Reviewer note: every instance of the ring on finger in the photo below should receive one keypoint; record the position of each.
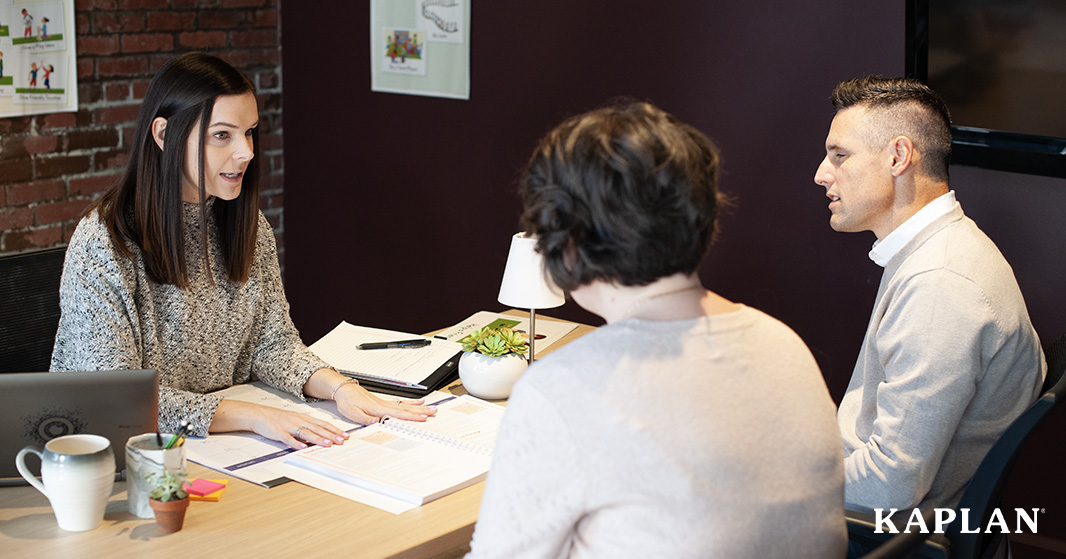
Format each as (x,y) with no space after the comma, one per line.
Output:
(297,434)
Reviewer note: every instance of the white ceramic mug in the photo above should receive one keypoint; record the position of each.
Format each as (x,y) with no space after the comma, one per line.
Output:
(78,473)
(144,457)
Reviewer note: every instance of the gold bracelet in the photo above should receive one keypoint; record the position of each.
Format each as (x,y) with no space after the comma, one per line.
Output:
(334,393)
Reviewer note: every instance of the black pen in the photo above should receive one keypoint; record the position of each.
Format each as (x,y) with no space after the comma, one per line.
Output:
(421,342)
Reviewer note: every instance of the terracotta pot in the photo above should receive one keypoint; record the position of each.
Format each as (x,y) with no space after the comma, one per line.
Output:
(169,515)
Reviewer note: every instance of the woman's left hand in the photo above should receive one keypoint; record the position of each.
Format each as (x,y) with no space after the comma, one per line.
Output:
(360,406)
(355,403)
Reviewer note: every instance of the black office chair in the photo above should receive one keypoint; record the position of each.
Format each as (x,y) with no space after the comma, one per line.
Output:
(904,544)
(29,309)
(984,493)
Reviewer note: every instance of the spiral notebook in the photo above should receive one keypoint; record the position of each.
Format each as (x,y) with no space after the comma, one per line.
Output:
(415,462)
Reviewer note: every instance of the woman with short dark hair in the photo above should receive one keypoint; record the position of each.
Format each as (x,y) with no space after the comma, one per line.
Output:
(689,425)
(176,269)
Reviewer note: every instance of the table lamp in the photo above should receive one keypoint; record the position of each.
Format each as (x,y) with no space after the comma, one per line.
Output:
(526,284)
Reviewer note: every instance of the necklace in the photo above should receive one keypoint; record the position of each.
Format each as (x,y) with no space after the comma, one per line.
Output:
(641,302)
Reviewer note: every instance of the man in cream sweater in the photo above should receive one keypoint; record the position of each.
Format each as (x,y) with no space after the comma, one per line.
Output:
(950,357)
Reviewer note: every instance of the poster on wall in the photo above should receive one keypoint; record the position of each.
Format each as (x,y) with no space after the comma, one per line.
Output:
(38,61)
(420,47)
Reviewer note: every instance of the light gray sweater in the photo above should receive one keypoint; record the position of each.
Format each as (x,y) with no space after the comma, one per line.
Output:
(950,358)
(201,339)
(712,437)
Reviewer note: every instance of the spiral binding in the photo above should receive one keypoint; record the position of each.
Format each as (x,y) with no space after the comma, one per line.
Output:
(431,436)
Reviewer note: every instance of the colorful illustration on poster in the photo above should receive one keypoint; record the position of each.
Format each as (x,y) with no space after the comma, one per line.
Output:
(38,57)
(420,47)
(405,52)
(43,80)
(39,26)
(441,20)
(6,79)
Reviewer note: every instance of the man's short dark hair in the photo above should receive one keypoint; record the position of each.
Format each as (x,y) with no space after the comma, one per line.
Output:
(625,194)
(912,109)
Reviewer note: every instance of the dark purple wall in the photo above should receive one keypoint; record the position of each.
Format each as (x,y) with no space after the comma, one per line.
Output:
(399,209)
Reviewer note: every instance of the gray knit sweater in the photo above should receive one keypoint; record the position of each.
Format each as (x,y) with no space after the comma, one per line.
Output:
(949,360)
(200,339)
(711,437)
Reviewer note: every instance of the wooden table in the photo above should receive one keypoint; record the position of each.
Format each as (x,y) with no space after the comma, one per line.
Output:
(250,521)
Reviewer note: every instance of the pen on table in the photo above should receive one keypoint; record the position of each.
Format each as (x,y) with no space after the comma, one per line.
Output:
(421,342)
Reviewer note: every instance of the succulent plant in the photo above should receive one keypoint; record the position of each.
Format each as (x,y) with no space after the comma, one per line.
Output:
(496,342)
(168,485)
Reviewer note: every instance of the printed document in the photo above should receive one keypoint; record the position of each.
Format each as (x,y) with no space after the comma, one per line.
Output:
(465,425)
(414,462)
(404,366)
(548,331)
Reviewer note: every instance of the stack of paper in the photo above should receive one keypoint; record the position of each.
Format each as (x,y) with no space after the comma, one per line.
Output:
(411,371)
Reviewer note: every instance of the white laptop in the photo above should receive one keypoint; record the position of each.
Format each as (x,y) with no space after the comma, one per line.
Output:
(38,407)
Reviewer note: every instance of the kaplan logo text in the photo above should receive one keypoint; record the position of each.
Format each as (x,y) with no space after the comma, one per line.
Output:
(943,517)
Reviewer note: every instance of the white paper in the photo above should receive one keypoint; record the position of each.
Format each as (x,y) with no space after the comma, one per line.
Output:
(464,419)
(552,330)
(341,489)
(259,460)
(253,457)
(409,366)
(250,456)
(408,462)
(396,463)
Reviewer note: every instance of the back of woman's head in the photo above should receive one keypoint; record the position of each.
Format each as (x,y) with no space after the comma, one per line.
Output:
(146,206)
(624,194)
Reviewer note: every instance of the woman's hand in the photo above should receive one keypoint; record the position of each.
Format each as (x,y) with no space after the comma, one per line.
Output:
(355,403)
(360,406)
(294,429)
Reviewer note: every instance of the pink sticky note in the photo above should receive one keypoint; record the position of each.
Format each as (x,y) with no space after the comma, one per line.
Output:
(200,486)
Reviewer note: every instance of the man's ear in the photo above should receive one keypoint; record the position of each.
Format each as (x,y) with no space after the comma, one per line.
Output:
(902,152)
(159,126)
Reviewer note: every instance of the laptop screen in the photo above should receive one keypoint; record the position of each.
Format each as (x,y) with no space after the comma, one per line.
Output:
(38,407)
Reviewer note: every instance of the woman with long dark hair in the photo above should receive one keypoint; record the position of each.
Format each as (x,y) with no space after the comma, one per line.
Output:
(176,269)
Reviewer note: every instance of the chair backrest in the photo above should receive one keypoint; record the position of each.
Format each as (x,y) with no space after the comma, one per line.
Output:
(985,491)
(904,544)
(1056,364)
(29,309)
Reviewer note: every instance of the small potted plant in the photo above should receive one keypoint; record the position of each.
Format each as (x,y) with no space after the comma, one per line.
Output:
(493,359)
(168,499)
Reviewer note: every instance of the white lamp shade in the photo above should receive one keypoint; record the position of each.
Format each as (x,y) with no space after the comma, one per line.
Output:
(526,284)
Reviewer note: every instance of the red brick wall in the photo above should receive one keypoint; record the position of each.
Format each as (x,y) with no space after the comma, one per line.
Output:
(52,166)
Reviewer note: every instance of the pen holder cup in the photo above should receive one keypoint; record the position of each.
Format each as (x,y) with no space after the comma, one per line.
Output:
(144,457)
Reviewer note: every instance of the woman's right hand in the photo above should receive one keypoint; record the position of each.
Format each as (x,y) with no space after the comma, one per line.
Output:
(294,429)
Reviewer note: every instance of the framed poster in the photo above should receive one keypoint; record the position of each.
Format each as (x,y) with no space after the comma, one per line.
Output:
(420,47)
(38,59)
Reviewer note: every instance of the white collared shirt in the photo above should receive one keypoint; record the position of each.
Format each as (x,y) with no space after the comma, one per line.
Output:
(884,250)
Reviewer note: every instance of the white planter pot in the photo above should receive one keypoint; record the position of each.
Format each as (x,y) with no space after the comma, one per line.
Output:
(490,378)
